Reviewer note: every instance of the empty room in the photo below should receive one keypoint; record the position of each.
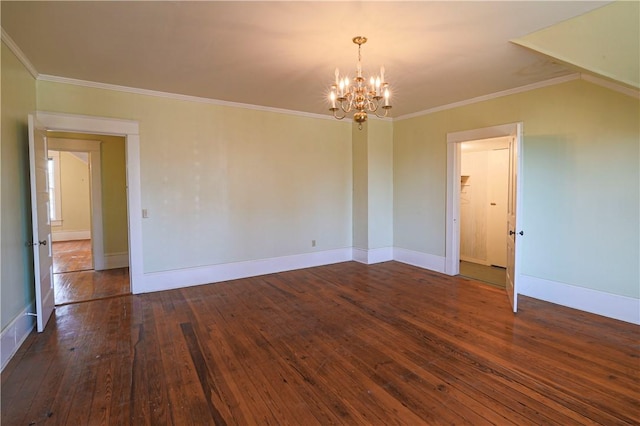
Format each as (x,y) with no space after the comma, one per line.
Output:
(273,212)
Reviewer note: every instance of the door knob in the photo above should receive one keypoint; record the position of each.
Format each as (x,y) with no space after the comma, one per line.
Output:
(511,232)
(43,242)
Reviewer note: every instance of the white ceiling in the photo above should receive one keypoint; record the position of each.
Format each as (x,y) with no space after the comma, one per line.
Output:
(283,54)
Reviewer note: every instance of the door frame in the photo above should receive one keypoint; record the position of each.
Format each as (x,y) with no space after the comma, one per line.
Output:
(130,131)
(452,230)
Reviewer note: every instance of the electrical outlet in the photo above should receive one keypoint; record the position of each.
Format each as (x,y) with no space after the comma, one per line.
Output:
(313,243)
(145,213)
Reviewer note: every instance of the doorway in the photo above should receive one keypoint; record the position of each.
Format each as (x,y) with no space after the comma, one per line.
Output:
(484,179)
(38,124)
(88,217)
(454,180)
(70,210)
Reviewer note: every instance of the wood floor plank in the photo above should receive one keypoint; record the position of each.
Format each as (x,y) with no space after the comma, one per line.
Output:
(340,344)
(72,256)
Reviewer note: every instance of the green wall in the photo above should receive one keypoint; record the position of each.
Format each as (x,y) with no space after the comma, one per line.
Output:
(114,194)
(226,184)
(74,194)
(360,152)
(16,260)
(380,184)
(581,190)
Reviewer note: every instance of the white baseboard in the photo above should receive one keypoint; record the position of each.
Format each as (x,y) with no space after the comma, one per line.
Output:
(70,235)
(15,334)
(419,259)
(371,256)
(112,261)
(158,281)
(596,302)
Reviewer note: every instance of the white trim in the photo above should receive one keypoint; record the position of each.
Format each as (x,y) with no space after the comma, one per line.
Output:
(129,129)
(452,227)
(70,235)
(179,278)
(371,256)
(452,209)
(13,47)
(359,255)
(14,335)
(521,89)
(88,124)
(491,132)
(634,93)
(419,259)
(614,306)
(179,97)
(115,260)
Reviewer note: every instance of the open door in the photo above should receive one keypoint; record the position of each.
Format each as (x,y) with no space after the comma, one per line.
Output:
(512,233)
(452,230)
(42,255)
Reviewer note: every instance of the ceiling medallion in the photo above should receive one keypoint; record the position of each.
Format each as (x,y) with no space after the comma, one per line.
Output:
(357,95)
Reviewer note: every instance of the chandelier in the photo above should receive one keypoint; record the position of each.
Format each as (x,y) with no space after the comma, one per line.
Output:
(359,96)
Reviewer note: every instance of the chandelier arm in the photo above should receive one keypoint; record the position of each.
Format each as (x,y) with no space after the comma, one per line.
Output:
(335,115)
(348,108)
(372,105)
(386,109)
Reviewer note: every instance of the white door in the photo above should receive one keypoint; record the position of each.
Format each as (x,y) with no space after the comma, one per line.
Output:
(42,258)
(511,231)
(497,188)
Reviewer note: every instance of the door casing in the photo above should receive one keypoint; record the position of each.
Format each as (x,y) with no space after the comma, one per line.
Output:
(117,127)
(452,231)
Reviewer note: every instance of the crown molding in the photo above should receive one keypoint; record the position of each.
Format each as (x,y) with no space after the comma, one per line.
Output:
(175,96)
(634,93)
(521,89)
(19,54)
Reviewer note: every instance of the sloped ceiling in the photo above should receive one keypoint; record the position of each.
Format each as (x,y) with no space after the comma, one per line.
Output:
(283,54)
(605,42)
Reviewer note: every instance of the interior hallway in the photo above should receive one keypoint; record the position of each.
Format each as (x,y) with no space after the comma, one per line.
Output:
(75,280)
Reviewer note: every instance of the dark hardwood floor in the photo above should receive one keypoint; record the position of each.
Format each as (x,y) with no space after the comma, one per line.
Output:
(75,280)
(339,344)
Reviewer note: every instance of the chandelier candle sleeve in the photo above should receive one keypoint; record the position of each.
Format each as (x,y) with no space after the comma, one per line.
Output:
(359,97)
